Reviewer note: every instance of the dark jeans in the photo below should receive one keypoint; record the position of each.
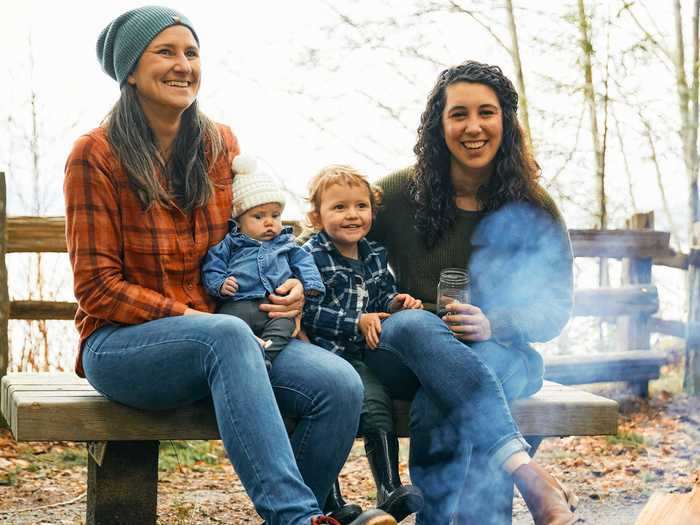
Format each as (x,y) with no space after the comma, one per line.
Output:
(276,329)
(459,414)
(377,408)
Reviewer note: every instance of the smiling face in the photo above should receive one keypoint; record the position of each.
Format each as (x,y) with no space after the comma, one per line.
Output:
(472,124)
(167,75)
(262,223)
(345,214)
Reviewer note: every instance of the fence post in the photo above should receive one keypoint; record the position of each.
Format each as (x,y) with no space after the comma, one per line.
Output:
(4,295)
(633,331)
(691,376)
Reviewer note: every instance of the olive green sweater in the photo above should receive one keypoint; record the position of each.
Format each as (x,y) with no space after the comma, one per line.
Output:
(518,257)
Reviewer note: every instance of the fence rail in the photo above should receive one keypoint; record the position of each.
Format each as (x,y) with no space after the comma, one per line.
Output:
(47,234)
(634,304)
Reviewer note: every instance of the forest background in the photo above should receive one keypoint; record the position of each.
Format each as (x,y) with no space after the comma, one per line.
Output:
(608,92)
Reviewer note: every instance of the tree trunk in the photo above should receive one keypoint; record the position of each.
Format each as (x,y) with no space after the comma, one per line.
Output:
(590,98)
(517,64)
(688,106)
(691,377)
(598,143)
(4,295)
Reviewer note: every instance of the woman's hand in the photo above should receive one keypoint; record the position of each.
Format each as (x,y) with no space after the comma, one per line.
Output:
(467,322)
(403,301)
(287,301)
(370,326)
(192,311)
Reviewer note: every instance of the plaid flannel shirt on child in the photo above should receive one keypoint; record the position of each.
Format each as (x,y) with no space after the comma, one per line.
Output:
(332,321)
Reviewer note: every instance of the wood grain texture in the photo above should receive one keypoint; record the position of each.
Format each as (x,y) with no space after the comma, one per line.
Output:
(36,234)
(48,234)
(33,310)
(673,260)
(48,407)
(631,365)
(620,243)
(610,302)
(671,509)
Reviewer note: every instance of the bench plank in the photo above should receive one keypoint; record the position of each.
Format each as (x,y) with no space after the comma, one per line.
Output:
(58,407)
(632,365)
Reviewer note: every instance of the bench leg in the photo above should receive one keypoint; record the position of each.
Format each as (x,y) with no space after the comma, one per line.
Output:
(123,489)
(640,389)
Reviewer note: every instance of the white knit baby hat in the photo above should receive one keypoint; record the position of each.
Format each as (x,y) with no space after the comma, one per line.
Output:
(252,188)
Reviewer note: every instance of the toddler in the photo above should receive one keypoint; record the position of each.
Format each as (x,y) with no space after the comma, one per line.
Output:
(360,292)
(257,256)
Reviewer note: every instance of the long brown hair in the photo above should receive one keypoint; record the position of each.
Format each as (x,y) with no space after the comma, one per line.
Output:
(516,172)
(197,145)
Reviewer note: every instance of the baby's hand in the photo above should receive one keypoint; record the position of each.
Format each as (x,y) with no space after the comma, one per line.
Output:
(403,301)
(229,287)
(263,343)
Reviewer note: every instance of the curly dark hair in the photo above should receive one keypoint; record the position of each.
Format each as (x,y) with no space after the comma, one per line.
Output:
(516,172)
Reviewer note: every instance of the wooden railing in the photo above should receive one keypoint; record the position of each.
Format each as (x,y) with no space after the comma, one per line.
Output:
(634,303)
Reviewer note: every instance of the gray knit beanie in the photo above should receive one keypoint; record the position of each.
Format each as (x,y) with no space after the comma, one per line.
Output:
(123,41)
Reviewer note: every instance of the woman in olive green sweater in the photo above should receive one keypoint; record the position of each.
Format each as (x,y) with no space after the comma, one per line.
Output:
(472,201)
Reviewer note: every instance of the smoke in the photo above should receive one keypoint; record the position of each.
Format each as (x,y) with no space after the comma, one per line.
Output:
(521,272)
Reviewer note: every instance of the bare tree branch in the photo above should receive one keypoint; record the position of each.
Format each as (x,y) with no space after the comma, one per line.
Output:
(455,7)
(659,178)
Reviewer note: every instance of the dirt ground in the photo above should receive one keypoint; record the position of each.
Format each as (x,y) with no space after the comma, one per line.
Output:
(657,449)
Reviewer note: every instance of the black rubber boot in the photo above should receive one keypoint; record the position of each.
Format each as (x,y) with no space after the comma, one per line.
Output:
(337,508)
(370,517)
(382,451)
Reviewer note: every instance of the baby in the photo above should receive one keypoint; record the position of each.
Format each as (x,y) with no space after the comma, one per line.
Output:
(256,257)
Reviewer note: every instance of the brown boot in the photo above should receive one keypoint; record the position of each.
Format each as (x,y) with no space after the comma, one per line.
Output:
(549,502)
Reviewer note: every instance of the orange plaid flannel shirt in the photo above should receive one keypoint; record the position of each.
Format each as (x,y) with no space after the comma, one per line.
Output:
(129,265)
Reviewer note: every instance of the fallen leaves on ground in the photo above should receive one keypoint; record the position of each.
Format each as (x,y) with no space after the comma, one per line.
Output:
(657,448)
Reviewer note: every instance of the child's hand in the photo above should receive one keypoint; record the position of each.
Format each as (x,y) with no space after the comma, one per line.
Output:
(370,327)
(403,301)
(301,335)
(297,328)
(229,287)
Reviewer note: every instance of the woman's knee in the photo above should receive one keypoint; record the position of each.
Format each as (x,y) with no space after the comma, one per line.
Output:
(321,375)
(230,337)
(409,328)
(341,383)
(345,385)
(227,328)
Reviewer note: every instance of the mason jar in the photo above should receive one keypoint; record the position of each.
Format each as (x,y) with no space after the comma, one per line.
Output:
(452,287)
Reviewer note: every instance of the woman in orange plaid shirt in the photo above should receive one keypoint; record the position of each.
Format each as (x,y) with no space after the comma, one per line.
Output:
(147,193)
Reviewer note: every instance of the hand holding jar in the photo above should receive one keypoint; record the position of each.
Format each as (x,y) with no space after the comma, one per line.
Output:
(465,320)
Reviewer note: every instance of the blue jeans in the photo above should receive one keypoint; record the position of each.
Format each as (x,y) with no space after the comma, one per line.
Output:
(460,407)
(177,360)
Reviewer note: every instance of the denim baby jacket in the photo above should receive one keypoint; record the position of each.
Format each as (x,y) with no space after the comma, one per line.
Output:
(258,266)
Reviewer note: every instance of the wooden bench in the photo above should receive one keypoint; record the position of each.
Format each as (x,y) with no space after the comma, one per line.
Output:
(635,366)
(123,442)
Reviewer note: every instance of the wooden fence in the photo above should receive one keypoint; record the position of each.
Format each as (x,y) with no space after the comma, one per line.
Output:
(633,304)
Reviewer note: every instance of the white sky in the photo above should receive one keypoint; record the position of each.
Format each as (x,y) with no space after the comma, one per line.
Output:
(250,52)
